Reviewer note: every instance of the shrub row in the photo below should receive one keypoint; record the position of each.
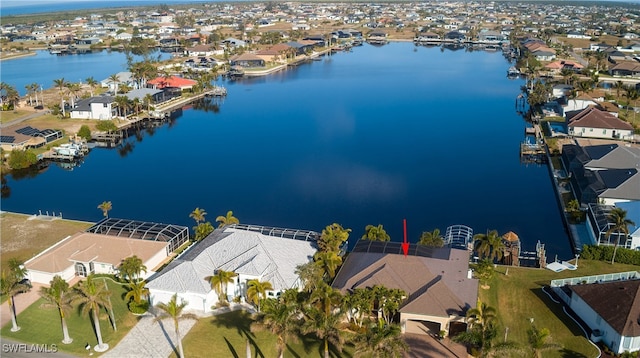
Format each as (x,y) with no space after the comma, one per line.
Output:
(605,253)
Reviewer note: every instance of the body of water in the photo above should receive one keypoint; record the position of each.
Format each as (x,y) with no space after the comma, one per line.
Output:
(24,7)
(368,137)
(44,67)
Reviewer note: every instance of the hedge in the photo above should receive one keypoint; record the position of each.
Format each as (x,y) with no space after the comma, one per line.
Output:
(605,253)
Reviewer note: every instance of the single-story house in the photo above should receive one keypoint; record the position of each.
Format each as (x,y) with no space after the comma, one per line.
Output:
(247,60)
(141,94)
(275,52)
(202,50)
(171,82)
(251,252)
(608,304)
(557,66)
(594,123)
(125,78)
(98,107)
(85,253)
(21,137)
(625,69)
(436,280)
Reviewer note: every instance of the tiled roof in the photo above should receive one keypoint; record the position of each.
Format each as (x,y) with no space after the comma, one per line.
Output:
(595,118)
(273,259)
(172,81)
(617,302)
(435,286)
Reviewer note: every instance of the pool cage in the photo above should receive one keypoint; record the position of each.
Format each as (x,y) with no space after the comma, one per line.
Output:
(459,237)
(598,216)
(173,234)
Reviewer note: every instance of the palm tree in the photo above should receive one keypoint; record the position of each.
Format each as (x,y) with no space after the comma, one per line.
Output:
(431,239)
(257,290)
(538,341)
(73,89)
(227,219)
(310,274)
(173,310)
(219,283)
(131,268)
(29,92)
(60,84)
(482,316)
(381,340)
(148,99)
(325,327)
(92,84)
(358,305)
(375,233)
(10,286)
(198,215)
(105,207)
(329,261)
(618,217)
(58,295)
(332,237)
(123,105)
(91,297)
(489,245)
(114,80)
(279,318)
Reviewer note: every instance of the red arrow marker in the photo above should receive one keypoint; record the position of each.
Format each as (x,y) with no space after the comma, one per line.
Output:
(405,244)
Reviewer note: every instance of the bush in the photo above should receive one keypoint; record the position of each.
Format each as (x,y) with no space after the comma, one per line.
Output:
(138,308)
(106,126)
(84,132)
(605,253)
(21,159)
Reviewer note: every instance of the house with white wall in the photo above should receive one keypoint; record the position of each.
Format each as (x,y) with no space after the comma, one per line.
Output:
(99,107)
(595,123)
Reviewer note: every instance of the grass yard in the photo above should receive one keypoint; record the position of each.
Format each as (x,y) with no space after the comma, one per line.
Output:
(223,336)
(42,326)
(518,297)
(23,238)
(8,116)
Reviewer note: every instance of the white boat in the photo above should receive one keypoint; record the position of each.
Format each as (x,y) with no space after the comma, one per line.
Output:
(67,149)
(512,71)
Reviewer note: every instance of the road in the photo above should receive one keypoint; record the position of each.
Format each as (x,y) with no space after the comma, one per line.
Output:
(22,119)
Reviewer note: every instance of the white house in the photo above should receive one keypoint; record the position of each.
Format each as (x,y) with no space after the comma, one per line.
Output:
(608,304)
(252,252)
(100,107)
(594,123)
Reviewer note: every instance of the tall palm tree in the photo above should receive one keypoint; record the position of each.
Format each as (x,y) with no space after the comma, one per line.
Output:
(123,105)
(431,239)
(538,341)
(220,281)
(132,267)
(10,286)
(60,84)
(279,318)
(105,206)
(325,327)
(227,219)
(257,291)
(114,80)
(375,233)
(381,340)
(618,217)
(73,89)
(198,215)
(173,310)
(92,83)
(310,274)
(482,316)
(148,99)
(59,295)
(91,295)
(29,92)
(489,245)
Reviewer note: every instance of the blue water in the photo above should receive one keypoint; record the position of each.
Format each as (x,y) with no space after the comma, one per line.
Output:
(22,7)
(373,136)
(43,68)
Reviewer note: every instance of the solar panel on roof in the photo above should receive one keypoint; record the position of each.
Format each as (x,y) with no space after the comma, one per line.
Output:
(7,139)
(28,131)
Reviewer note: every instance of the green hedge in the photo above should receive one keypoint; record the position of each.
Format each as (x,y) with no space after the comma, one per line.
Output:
(605,253)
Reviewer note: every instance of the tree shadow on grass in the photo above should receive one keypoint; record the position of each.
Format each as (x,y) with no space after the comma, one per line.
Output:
(567,353)
(231,349)
(557,310)
(241,322)
(293,353)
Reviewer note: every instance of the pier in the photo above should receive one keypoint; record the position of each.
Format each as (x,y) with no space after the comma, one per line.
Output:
(167,107)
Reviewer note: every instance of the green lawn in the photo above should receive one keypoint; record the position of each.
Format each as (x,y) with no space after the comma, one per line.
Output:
(518,297)
(43,326)
(223,336)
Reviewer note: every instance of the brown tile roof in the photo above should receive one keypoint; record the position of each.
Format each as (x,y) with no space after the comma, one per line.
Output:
(86,247)
(436,287)
(594,118)
(617,302)
(274,50)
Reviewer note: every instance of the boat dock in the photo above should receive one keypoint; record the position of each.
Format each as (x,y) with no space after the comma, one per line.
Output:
(171,105)
(70,152)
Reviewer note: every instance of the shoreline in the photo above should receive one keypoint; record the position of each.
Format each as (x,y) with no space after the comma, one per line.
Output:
(17,56)
(2,212)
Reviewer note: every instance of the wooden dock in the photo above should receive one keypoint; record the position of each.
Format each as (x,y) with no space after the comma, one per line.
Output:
(164,109)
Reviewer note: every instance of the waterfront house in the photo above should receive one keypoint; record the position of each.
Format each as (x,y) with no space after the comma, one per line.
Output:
(252,252)
(123,78)
(598,224)
(275,52)
(594,123)
(102,248)
(22,137)
(436,280)
(141,94)
(98,107)
(171,82)
(625,69)
(556,67)
(608,304)
(247,60)
(202,50)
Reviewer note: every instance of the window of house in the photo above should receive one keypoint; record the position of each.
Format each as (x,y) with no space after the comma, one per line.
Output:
(604,131)
(104,105)
(81,270)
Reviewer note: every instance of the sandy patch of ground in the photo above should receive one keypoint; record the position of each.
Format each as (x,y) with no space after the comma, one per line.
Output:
(23,238)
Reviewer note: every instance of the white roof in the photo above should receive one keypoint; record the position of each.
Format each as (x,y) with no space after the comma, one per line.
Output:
(269,258)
